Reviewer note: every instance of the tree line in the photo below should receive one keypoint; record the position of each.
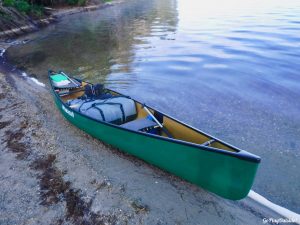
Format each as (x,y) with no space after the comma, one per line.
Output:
(36,7)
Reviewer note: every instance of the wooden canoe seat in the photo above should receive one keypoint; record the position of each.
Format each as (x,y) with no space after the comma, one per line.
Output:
(139,124)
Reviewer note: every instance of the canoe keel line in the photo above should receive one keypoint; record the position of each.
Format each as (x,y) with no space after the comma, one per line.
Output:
(162,141)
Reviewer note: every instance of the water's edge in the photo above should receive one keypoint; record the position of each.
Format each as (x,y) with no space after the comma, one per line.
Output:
(288,214)
(35,25)
(234,76)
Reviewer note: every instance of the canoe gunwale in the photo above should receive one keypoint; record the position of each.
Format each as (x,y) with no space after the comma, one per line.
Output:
(240,154)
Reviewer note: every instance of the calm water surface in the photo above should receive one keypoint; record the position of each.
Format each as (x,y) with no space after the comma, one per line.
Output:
(230,68)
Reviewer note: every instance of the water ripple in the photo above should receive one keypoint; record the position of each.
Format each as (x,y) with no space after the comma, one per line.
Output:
(228,67)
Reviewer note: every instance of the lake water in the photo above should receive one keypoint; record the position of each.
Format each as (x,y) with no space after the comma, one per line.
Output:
(230,68)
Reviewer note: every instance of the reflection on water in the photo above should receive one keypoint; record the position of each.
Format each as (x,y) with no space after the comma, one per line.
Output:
(98,43)
(230,68)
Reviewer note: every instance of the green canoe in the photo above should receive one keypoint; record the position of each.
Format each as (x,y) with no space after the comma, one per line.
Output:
(175,147)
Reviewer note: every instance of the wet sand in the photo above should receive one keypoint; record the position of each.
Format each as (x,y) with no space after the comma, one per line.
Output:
(53,173)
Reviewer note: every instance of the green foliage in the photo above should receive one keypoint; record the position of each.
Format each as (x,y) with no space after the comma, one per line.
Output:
(37,10)
(72,2)
(22,6)
(81,2)
(4,15)
(8,2)
(77,2)
(35,7)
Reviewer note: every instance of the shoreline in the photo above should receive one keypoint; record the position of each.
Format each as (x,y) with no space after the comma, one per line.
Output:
(16,80)
(81,199)
(92,181)
(55,15)
(256,204)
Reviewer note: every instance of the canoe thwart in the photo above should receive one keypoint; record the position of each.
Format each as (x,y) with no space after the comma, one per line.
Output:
(157,122)
(208,143)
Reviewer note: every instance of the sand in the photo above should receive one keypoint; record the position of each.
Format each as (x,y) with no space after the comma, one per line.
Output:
(54,173)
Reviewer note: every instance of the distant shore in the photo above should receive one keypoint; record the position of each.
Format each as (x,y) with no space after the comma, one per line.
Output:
(17,35)
(30,25)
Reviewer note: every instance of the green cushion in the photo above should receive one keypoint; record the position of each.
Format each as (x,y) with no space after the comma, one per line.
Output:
(58,77)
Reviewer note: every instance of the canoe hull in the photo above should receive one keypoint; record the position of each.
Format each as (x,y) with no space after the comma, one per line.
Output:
(222,174)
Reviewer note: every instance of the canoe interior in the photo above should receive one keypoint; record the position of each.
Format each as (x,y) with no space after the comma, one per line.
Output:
(178,130)
(185,152)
